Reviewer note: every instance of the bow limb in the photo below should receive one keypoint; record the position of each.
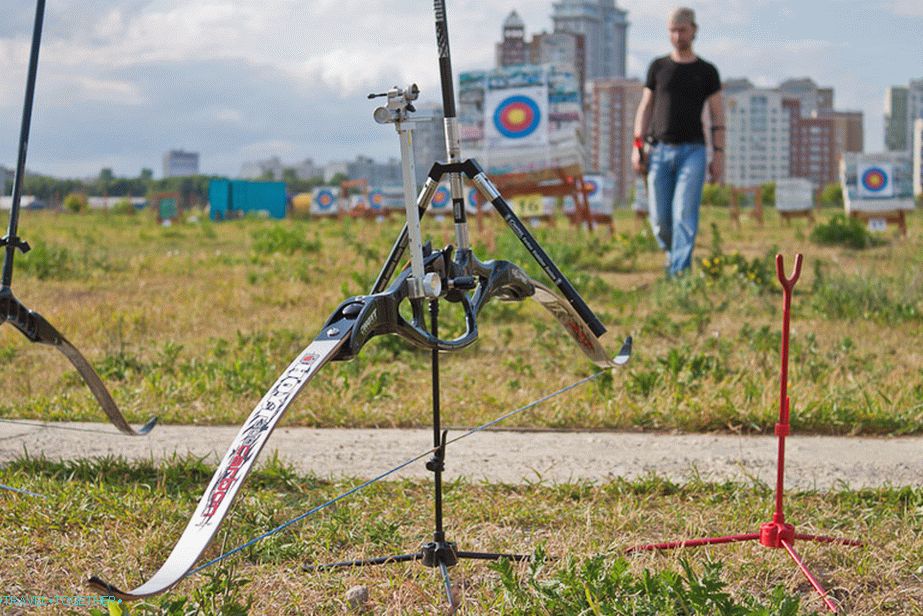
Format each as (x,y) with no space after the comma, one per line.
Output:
(38,330)
(578,329)
(235,466)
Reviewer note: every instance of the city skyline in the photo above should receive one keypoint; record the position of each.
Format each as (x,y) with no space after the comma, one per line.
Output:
(120,83)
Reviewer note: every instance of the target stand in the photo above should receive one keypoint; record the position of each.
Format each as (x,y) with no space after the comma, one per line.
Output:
(738,194)
(777,533)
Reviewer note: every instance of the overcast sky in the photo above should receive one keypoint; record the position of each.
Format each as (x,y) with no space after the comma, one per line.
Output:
(122,81)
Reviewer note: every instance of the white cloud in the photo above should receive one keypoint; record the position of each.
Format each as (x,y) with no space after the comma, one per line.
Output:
(905,8)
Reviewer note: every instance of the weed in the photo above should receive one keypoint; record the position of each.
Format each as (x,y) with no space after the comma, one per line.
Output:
(47,261)
(843,231)
(278,239)
(864,297)
(600,586)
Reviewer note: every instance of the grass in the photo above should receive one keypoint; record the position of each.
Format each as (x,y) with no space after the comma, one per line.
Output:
(120,519)
(195,321)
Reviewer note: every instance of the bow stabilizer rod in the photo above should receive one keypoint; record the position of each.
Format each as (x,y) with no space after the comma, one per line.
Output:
(11,241)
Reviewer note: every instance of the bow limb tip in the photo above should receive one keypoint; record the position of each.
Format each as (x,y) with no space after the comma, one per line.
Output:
(624,353)
(148,426)
(105,588)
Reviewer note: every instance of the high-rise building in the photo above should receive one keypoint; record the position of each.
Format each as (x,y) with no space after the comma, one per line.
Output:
(604,27)
(513,49)
(737,84)
(561,48)
(914,107)
(611,105)
(918,158)
(268,169)
(758,137)
(335,168)
(903,107)
(896,113)
(848,130)
(377,174)
(177,163)
(428,139)
(812,146)
(812,99)
(273,168)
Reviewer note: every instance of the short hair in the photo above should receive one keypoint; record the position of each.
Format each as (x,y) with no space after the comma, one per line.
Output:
(682,15)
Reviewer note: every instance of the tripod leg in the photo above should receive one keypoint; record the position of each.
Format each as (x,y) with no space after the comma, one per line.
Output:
(365,562)
(448,586)
(823,539)
(691,543)
(807,573)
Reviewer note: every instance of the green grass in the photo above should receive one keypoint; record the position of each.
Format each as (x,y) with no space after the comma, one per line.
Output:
(195,321)
(120,519)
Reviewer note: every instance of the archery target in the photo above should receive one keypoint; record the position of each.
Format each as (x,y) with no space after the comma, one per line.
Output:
(442,198)
(324,201)
(516,116)
(591,185)
(472,201)
(875,180)
(376,199)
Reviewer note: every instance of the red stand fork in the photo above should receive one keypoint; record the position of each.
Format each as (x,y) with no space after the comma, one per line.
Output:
(775,534)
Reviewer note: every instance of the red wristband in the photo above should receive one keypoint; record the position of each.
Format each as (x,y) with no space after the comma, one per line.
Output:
(639,144)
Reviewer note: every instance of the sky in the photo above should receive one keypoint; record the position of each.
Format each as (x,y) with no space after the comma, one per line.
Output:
(122,81)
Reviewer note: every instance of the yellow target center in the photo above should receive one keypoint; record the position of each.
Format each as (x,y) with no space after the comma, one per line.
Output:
(517,116)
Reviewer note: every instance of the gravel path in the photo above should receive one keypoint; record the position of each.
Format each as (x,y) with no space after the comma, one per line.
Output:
(510,456)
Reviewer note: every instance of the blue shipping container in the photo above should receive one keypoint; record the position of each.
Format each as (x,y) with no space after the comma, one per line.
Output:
(233,198)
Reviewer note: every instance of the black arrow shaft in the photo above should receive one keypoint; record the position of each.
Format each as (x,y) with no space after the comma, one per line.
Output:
(12,241)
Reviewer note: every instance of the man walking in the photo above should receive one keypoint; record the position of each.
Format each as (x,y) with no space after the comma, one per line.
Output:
(670,117)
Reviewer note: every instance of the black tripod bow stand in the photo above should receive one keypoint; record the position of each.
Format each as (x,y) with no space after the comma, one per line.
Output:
(465,272)
(33,325)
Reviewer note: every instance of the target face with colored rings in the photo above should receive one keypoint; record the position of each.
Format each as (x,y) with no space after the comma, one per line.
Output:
(874,179)
(376,199)
(473,197)
(517,116)
(591,186)
(441,198)
(325,199)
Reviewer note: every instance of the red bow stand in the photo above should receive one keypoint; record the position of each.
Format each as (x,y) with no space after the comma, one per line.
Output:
(775,534)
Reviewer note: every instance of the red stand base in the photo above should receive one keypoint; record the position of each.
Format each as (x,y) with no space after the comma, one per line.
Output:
(771,535)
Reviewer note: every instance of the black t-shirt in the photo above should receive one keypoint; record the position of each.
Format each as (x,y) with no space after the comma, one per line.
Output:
(680,91)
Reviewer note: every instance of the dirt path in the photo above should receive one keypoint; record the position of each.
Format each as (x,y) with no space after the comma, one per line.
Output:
(511,457)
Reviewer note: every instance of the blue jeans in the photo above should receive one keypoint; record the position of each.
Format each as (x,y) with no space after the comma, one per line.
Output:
(676,175)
